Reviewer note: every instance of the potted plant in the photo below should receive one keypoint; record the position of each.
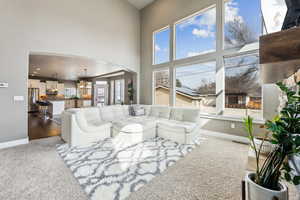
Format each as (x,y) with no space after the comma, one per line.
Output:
(130,92)
(265,183)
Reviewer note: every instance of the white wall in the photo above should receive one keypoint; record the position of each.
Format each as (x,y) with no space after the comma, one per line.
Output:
(100,29)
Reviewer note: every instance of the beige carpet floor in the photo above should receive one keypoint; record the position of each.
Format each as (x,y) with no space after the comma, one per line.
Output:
(213,171)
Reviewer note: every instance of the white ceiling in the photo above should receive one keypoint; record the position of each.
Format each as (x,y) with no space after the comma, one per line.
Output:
(140,4)
(68,67)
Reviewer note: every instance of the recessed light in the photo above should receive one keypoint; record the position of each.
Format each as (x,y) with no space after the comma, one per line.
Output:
(38,69)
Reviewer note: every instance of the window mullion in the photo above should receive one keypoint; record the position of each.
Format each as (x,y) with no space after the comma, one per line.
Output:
(171,67)
(220,72)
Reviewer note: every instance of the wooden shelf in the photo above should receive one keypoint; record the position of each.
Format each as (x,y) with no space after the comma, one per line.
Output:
(279,55)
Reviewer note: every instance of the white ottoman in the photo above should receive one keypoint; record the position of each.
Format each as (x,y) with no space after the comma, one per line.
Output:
(129,135)
(136,128)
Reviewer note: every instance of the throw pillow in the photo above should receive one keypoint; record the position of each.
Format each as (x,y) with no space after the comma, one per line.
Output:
(140,112)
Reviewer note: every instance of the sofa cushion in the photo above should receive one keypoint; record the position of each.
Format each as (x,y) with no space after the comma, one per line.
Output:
(139,112)
(146,122)
(176,126)
(160,111)
(107,113)
(91,115)
(147,109)
(126,110)
(176,114)
(118,112)
(87,123)
(191,115)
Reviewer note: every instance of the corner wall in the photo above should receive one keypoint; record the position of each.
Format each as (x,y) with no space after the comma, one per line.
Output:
(107,30)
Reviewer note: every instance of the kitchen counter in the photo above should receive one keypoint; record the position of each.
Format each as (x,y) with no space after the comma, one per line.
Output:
(56,107)
(65,99)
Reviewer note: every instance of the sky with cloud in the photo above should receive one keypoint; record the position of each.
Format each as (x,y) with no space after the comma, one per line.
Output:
(197,35)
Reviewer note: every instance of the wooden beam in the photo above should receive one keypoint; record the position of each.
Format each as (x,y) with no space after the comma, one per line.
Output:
(281,46)
(279,55)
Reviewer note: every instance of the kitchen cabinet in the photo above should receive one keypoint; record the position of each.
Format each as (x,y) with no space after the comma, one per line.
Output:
(87,103)
(70,103)
(42,87)
(32,83)
(79,103)
(61,89)
(51,85)
(84,90)
(82,103)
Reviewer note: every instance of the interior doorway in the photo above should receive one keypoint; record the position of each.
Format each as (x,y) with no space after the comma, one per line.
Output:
(101,93)
(115,88)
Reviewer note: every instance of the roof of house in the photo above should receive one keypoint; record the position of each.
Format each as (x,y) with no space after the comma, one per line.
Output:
(185,91)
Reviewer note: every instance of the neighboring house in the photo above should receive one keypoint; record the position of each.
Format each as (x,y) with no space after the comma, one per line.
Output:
(185,97)
(243,101)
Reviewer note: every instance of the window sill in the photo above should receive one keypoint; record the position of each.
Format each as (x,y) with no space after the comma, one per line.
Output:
(226,118)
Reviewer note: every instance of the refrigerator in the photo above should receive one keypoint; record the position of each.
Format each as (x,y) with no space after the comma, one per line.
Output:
(33,97)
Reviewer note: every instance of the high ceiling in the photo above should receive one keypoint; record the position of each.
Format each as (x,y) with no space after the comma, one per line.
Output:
(68,67)
(140,4)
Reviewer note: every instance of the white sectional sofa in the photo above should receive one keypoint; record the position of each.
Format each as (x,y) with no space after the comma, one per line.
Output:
(87,125)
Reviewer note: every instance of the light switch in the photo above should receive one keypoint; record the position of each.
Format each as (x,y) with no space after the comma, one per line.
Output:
(3,85)
(18,98)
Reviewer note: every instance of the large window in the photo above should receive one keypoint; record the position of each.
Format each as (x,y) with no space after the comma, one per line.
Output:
(196,87)
(196,35)
(243,93)
(243,22)
(161,46)
(161,87)
(215,72)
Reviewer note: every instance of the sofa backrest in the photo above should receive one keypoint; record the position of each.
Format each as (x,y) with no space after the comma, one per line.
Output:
(86,117)
(185,114)
(114,112)
(120,111)
(146,108)
(91,114)
(106,113)
(160,111)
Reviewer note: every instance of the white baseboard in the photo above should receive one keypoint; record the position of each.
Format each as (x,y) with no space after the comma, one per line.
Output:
(226,136)
(13,143)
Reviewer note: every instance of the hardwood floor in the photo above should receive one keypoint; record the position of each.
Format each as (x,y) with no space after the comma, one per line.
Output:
(41,128)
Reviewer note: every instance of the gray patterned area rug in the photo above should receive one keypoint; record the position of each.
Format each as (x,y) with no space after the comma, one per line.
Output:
(112,169)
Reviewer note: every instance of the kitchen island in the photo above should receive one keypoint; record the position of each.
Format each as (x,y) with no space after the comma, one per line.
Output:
(56,107)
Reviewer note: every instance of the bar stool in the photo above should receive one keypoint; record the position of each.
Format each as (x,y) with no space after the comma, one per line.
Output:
(43,107)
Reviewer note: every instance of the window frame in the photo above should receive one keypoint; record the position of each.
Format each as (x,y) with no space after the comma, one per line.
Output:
(185,18)
(237,48)
(153,84)
(241,54)
(191,64)
(217,56)
(153,44)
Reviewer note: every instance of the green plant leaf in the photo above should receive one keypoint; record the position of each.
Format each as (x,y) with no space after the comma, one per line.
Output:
(297,141)
(286,167)
(287,177)
(274,141)
(296,180)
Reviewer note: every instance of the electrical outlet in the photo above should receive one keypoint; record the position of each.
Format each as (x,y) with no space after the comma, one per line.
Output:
(232,125)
